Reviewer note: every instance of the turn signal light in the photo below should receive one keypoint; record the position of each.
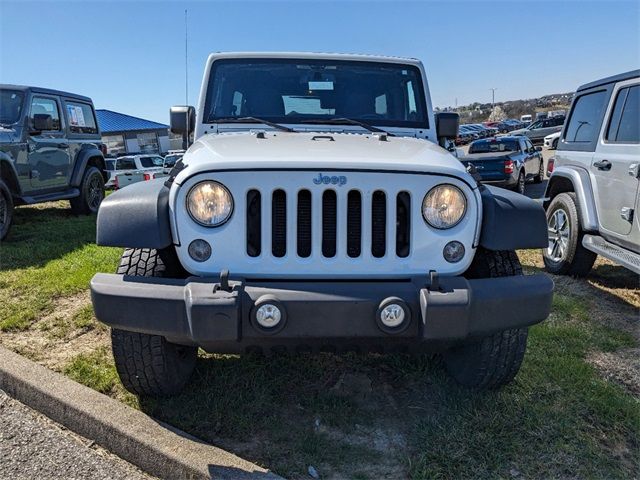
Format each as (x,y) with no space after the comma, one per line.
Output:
(508,166)
(550,163)
(147,176)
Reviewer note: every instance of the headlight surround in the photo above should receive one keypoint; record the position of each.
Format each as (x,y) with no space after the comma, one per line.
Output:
(444,206)
(209,203)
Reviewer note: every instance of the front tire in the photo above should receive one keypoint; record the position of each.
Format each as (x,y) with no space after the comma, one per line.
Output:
(554,145)
(492,361)
(6,210)
(91,193)
(520,184)
(149,365)
(565,254)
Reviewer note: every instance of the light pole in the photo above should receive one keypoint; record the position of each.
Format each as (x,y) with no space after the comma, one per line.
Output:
(493,97)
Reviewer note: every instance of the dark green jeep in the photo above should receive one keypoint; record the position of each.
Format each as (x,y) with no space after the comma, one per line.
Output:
(50,149)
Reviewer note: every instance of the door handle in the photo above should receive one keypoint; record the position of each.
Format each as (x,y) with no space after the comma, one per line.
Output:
(63,145)
(603,165)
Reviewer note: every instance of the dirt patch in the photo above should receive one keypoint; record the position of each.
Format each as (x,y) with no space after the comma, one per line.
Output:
(68,329)
(621,367)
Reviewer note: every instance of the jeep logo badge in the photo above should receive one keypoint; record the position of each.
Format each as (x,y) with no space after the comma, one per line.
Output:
(326,180)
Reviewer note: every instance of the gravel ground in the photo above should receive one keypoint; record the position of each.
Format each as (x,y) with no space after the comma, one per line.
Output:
(34,447)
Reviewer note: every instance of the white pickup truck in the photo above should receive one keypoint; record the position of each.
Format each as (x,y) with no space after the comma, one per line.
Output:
(131,169)
(317,210)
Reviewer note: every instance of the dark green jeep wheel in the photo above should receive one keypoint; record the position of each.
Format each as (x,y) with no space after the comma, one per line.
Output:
(6,210)
(91,193)
(149,365)
(492,361)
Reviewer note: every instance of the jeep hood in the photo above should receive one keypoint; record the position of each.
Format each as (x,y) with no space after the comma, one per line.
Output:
(323,152)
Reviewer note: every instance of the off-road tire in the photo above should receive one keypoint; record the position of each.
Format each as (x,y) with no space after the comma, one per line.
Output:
(149,365)
(91,193)
(6,210)
(577,260)
(554,144)
(540,176)
(492,361)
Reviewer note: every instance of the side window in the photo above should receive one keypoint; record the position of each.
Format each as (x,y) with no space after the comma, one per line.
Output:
(236,109)
(45,106)
(381,104)
(125,164)
(81,118)
(624,126)
(523,145)
(584,123)
(528,145)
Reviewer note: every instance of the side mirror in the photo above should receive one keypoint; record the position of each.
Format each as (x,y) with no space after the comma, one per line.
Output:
(182,119)
(447,126)
(42,122)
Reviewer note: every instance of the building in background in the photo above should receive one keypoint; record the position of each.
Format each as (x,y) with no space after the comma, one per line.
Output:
(124,134)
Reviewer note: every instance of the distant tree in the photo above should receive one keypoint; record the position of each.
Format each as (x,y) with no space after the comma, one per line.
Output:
(497,114)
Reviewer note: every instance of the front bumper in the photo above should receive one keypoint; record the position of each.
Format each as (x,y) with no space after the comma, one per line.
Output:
(319,314)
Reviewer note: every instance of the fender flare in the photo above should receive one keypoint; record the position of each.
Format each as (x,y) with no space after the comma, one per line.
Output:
(581,182)
(511,221)
(82,159)
(6,162)
(136,217)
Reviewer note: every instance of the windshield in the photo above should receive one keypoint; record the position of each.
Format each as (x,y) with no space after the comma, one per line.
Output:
(10,106)
(148,162)
(294,91)
(484,146)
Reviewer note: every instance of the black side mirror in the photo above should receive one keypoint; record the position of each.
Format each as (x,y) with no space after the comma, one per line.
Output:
(42,122)
(182,119)
(447,126)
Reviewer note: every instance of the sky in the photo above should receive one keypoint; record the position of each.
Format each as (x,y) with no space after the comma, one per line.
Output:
(130,56)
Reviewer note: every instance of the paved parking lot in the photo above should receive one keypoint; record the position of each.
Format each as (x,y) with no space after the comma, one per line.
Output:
(34,447)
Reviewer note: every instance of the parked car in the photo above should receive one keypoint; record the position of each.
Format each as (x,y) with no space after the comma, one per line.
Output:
(551,141)
(507,162)
(526,119)
(540,129)
(171,158)
(592,198)
(319,232)
(50,149)
(131,169)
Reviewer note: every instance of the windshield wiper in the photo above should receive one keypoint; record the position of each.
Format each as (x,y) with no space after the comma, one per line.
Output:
(277,126)
(348,121)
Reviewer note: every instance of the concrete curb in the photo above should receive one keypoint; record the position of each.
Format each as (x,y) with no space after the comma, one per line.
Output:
(156,448)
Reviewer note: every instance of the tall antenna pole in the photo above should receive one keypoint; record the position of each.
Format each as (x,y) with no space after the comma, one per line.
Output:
(186,65)
(493,96)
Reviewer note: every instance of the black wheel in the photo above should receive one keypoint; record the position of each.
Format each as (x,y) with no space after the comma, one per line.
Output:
(565,254)
(540,175)
(520,184)
(554,144)
(492,361)
(91,193)
(149,365)
(6,210)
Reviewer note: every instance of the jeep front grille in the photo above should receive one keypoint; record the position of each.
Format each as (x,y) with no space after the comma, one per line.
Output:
(388,219)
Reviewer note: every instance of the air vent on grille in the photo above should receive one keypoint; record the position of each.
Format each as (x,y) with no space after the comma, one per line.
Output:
(378,223)
(403,224)
(354,224)
(279,224)
(329,213)
(304,223)
(254,226)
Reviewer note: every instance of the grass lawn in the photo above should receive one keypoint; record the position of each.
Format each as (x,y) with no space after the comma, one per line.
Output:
(573,411)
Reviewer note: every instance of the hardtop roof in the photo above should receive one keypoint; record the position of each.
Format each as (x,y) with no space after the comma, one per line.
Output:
(46,91)
(615,78)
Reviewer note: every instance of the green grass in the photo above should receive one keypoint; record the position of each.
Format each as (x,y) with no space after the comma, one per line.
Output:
(560,418)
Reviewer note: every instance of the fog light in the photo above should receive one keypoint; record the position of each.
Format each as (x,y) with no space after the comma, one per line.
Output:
(393,315)
(453,252)
(200,250)
(268,315)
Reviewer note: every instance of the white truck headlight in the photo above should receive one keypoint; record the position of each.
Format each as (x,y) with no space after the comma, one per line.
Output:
(209,203)
(444,206)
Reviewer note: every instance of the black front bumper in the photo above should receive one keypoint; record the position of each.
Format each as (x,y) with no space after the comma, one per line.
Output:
(319,314)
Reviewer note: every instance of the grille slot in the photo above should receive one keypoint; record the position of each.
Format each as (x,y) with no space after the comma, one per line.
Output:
(279,223)
(254,224)
(403,224)
(354,224)
(378,224)
(304,223)
(329,220)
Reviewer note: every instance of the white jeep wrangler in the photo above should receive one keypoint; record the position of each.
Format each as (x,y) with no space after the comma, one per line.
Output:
(316,211)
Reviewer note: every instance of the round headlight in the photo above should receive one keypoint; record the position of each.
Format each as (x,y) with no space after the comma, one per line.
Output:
(444,206)
(209,203)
